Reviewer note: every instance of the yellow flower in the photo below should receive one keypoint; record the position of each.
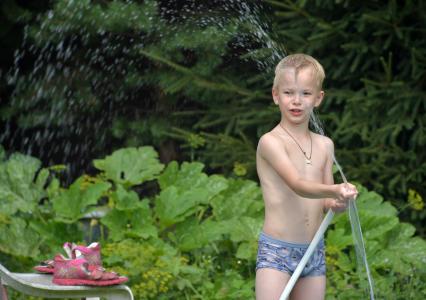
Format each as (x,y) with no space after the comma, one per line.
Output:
(330,261)
(93,222)
(239,169)
(415,200)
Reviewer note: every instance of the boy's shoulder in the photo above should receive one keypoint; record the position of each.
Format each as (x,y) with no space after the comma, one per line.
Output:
(323,139)
(270,137)
(323,142)
(268,140)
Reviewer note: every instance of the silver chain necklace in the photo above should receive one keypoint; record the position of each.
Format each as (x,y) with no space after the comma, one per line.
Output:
(307,159)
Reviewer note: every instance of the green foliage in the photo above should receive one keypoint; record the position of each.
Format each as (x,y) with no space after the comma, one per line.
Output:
(150,266)
(183,191)
(73,203)
(196,236)
(25,239)
(158,72)
(18,188)
(147,73)
(394,254)
(130,166)
(133,222)
(26,221)
(20,192)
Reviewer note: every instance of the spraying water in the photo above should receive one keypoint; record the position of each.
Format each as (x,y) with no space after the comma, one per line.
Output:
(354,220)
(77,81)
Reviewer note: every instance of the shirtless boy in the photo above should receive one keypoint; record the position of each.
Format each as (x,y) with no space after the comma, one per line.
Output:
(294,166)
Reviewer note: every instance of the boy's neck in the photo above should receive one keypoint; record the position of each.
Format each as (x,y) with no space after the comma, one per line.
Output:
(296,129)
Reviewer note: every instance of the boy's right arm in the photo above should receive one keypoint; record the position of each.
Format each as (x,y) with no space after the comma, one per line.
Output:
(271,150)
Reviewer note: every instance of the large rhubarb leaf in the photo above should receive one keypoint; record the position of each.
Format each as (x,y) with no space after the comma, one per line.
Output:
(125,199)
(191,234)
(184,190)
(79,199)
(135,223)
(130,166)
(21,188)
(241,198)
(18,239)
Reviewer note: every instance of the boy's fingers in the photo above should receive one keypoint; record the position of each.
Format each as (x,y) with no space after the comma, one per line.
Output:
(350,193)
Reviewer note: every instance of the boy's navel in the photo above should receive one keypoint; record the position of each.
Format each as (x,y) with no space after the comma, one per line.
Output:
(306,220)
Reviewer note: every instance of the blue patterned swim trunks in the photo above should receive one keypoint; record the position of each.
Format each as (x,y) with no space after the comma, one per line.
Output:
(284,256)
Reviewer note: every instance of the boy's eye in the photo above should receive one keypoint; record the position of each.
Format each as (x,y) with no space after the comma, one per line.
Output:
(287,93)
(307,93)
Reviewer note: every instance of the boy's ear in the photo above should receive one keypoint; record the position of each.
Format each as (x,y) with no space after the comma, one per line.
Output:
(319,98)
(275,95)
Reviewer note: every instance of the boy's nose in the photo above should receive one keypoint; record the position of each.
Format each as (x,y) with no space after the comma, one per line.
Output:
(296,99)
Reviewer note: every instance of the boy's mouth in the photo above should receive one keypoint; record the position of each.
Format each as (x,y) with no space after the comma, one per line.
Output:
(296,111)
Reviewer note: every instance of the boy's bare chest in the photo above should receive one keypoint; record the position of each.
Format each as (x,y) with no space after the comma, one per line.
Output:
(309,165)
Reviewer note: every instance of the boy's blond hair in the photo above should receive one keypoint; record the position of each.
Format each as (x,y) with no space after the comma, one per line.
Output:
(299,61)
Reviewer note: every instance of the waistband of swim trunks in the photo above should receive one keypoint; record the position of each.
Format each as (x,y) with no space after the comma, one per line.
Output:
(270,239)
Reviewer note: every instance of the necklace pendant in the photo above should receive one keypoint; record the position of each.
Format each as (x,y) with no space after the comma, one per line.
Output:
(308,161)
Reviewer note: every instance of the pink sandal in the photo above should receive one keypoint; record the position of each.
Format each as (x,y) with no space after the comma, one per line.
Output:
(45,267)
(48,266)
(92,254)
(78,271)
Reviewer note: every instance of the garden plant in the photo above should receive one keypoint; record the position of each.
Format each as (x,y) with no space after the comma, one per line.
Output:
(148,113)
(179,233)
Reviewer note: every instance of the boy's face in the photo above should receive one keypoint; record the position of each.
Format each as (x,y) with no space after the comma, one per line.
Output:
(297,93)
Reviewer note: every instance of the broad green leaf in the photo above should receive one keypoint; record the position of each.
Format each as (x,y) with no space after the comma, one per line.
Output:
(192,235)
(125,200)
(214,185)
(389,260)
(244,229)
(42,178)
(131,166)
(184,190)
(20,190)
(402,232)
(22,168)
(185,176)
(236,199)
(377,227)
(54,188)
(413,251)
(344,263)
(190,175)
(74,202)
(338,238)
(372,203)
(130,223)
(170,175)
(247,250)
(173,204)
(53,234)
(18,239)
